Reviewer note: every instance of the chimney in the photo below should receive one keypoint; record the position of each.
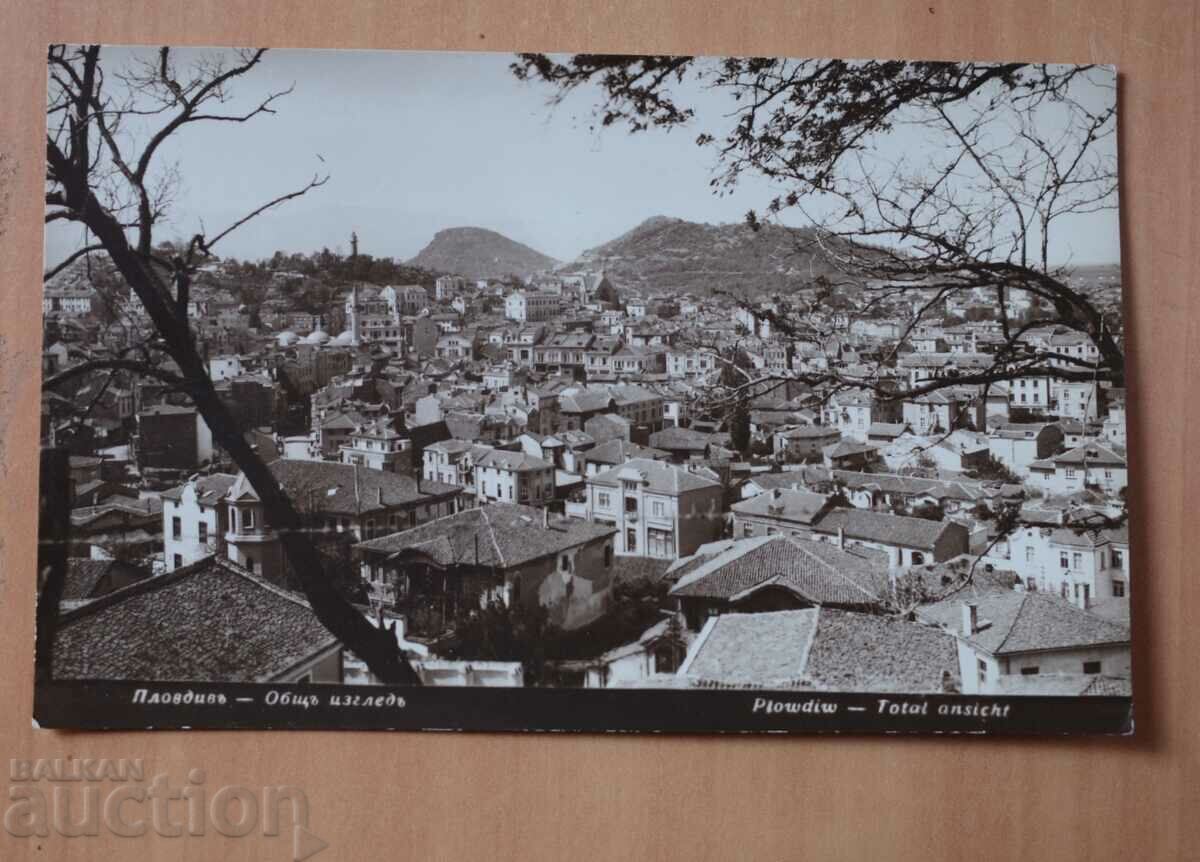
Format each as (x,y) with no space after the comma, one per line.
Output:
(777,493)
(841,538)
(379,495)
(970,618)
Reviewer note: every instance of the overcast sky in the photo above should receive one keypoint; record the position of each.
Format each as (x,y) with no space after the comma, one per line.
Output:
(418,142)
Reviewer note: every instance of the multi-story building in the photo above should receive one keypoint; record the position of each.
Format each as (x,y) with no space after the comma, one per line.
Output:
(659,510)
(1085,566)
(531,306)
(194,519)
(452,462)
(1017,445)
(502,476)
(335,500)
(378,445)
(410,299)
(373,315)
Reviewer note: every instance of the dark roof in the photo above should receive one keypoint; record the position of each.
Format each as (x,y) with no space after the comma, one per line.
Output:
(1021,622)
(814,571)
(823,649)
(344,489)
(502,534)
(896,530)
(84,575)
(802,507)
(626,569)
(209,489)
(619,451)
(210,621)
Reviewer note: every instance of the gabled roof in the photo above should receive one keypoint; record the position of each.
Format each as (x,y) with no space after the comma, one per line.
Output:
(619,451)
(821,649)
(502,459)
(210,621)
(499,534)
(1092,454)
(343,489)
(801,507)
(209,489)
(887,529)
(1021,622)
(659,478)
(816,572)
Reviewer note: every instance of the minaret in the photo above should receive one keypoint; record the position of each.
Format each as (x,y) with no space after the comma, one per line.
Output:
(353,246)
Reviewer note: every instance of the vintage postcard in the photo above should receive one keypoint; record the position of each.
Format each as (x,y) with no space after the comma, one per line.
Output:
(587,392)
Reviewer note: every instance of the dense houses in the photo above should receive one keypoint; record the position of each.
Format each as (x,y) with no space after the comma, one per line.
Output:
(552,446)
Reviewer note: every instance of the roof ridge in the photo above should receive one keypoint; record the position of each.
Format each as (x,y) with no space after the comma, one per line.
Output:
(1008,634)
(806,650)
(491,532)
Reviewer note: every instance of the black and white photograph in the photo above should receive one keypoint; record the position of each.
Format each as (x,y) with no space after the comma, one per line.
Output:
(493,391)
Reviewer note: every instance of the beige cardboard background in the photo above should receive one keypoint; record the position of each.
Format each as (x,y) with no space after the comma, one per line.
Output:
(451,796)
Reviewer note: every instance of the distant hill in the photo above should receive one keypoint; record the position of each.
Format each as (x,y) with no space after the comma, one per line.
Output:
(681,255)
(475,252)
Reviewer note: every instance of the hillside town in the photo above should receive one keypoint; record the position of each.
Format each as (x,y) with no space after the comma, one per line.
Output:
(577,478)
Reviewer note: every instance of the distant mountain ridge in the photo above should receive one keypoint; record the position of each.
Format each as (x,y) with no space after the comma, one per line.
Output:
(476,252)
(680,255)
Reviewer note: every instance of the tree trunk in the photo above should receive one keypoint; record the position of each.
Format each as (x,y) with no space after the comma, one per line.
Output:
(375,646)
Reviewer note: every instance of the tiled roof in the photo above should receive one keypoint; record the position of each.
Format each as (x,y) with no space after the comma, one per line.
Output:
(502,459)
(502,534)
(83,576)
(1091,454)
(659,478)
(896,530)
(822,649)
(210,621)
(1020,622)
(344,489)
(815,571)
(681,438)
(1061,684)
(946,489)
(799,506)
(209,489)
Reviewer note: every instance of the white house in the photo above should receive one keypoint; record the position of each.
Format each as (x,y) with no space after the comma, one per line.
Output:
(659,510)
(194,519)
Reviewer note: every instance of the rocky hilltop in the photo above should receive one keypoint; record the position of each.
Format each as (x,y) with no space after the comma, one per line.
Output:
(688,256)
(476,252)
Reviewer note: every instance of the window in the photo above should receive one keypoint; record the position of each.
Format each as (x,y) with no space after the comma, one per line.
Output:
(659,508)
(1031,584)
(982,668)
(1091,667)
(630,541)
(202,533)
(1070,472)
(176,528)
(1029,553)
(1118,589)
(178,561)
(1118,559)
(608,556)
(1029,671)
(603,499)
(1064,560)
(660,543)
(747,530)
(917,558)
(564,563)
(248,519)
(631,505)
